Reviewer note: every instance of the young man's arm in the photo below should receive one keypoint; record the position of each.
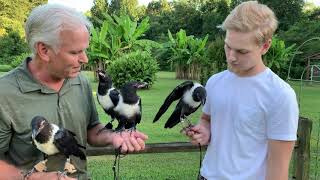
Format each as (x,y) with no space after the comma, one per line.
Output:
(200,133)
(279,155)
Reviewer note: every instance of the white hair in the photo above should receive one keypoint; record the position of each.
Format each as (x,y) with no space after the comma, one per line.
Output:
(45,23)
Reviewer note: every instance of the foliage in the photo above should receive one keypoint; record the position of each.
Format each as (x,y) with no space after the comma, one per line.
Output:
(98,9)
(17,60)
(216,59)
(213,15)
(298,34)
(135,66)
(187,54)
(278,56)
(5,68)
(13,14)
(11,45)
(117,36)
(121,7)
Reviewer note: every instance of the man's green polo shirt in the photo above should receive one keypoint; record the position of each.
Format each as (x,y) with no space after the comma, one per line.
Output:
(23,97)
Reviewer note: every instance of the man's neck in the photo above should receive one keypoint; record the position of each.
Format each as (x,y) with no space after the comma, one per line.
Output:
(40,72)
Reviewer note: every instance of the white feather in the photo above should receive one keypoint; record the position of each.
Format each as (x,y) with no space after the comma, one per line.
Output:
(49,148)
(105,100)
(126,109)
(187,96)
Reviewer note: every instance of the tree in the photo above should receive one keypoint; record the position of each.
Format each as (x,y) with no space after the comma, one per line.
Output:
(121,7)
(13,14)
(97,12)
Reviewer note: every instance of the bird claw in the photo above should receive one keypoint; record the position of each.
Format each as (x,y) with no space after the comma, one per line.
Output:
(186,125)
(61,174)
(41,166)
(69,168)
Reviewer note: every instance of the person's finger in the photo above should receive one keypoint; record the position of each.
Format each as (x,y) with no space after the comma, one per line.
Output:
(197,136)
(141,143)
(138,134)
(128,143)
(135,144)
(124,148)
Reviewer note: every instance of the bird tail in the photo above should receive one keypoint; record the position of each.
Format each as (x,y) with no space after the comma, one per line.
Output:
(174,119)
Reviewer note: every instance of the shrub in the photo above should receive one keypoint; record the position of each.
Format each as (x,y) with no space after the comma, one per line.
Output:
(17,60)
(5,68)
(136,66)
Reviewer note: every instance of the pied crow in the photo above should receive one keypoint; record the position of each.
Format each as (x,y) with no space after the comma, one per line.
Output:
(191,95)
(123,105)
(50,140)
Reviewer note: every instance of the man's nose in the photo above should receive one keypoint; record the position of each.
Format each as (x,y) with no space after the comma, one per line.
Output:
(232,56)
(83,58)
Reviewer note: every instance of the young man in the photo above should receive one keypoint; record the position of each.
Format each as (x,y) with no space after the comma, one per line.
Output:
(250,117)
(50,85)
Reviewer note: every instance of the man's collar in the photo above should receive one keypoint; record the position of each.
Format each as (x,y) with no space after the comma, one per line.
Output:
(27,83)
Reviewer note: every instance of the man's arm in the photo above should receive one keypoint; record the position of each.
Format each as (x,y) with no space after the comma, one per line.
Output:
(129,141)
(279,155)
(8,171)
(200,133)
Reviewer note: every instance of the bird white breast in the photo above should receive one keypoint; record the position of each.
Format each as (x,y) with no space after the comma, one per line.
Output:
(49,148)
(126,109)
(187,96)
(105,100)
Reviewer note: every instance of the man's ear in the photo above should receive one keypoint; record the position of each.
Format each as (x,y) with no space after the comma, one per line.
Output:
(265,47)
(43,51)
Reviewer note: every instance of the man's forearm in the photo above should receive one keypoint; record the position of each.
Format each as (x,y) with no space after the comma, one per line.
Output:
(104,138)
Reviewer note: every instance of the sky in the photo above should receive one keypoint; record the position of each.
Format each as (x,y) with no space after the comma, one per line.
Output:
(85,5)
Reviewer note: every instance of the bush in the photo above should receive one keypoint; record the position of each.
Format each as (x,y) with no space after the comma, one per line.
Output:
(5,68)
(216,60)
(17,60)
(136,66)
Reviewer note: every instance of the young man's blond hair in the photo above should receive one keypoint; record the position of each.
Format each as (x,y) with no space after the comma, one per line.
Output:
(252,16)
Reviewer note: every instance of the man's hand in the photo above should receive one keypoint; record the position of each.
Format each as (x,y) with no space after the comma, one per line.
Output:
(200,133)
(130,141)
(49,175)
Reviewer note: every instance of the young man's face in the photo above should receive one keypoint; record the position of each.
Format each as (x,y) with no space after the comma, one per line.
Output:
(66,63)
(244,55)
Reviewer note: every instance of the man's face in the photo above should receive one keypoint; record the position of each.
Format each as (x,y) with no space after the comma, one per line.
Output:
(244,55)
(66,63)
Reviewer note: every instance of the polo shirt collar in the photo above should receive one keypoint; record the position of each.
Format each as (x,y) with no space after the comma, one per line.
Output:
(27,83)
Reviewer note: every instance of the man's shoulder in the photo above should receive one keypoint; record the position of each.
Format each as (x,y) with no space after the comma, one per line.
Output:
(216,77)
(8,79)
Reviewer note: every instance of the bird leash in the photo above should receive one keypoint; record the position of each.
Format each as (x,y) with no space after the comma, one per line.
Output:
(186,124)
(116,163)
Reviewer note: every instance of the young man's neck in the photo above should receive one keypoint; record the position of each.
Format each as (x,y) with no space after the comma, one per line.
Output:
(40,72)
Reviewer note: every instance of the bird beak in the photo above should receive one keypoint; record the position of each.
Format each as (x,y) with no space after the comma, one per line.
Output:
(140,85)
(35,132)
(203,101)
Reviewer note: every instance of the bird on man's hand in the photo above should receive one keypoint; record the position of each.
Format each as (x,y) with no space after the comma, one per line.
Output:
(190,95)
(50,140)
(122,104)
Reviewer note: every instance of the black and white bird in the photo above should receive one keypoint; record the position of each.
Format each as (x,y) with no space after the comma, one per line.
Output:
(123,105)
(50,140)
(191,96)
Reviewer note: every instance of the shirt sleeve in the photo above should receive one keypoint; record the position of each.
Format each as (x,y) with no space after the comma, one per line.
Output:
(282,123)
(5,132)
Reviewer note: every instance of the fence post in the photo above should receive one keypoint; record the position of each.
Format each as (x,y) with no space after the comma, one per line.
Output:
(302,152)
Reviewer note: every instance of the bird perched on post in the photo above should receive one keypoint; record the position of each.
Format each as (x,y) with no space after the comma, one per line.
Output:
(123,105)
(191,95)
(50,140)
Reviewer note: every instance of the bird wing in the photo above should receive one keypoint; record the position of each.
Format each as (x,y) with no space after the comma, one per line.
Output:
(176,94)
(114,96)
(66,143)
(138,116)
(175,117)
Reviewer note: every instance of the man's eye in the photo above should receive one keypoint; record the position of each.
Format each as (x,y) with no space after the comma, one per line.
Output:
(243,52)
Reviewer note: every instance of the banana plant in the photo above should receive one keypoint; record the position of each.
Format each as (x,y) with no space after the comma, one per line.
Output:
(188,53)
